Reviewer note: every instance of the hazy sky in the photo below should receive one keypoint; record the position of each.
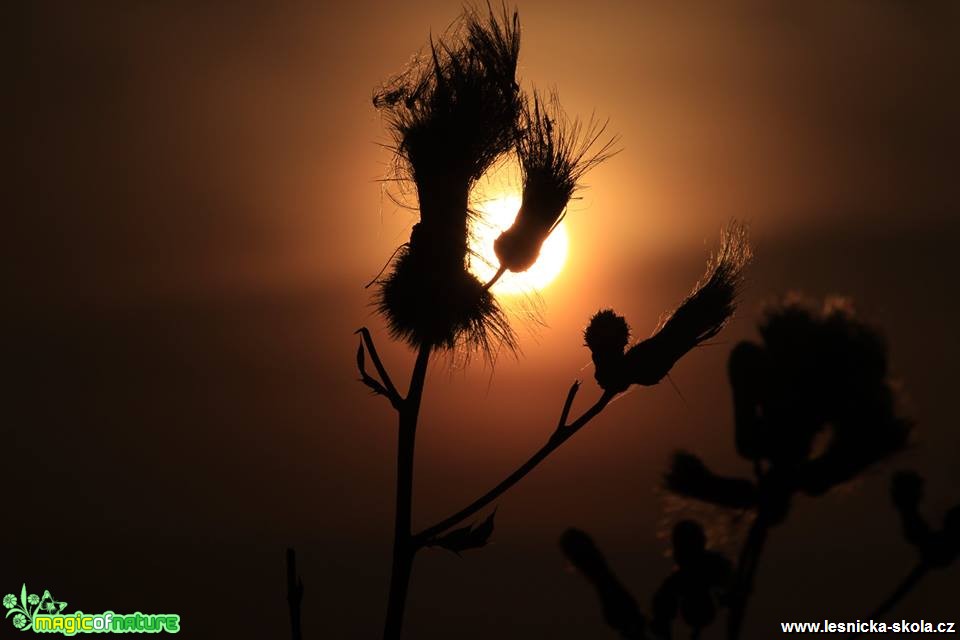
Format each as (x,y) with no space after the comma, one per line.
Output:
(199,207)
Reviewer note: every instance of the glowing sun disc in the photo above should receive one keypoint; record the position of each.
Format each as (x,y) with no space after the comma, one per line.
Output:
(497,215)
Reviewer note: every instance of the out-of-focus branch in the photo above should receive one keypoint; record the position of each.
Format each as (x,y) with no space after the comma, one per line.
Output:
(294,595)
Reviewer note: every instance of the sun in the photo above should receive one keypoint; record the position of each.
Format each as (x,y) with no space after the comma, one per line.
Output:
(496,216)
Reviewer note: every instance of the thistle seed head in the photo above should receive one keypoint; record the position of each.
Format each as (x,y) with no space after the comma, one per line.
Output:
(554,154)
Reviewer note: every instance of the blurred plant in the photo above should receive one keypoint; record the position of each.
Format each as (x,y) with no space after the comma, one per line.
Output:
(694,590)
(818,372)
(452,114)
(937,549)
(294,595)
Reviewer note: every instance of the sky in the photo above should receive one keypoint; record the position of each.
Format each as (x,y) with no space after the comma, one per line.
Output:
(199,205)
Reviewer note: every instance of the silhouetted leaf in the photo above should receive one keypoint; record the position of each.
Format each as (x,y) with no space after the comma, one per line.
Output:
(469,537)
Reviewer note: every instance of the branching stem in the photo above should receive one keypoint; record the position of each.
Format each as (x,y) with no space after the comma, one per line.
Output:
(384,386)
(403,545)
(561,435)
(746,571)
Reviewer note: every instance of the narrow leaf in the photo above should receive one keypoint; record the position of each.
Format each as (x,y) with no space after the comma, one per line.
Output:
(469,537)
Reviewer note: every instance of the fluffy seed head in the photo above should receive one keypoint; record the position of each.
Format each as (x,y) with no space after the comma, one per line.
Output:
(554,154)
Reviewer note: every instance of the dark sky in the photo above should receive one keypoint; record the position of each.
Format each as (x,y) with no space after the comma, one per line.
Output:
(197,209)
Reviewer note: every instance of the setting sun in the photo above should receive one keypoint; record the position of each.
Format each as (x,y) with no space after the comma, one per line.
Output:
(497,214)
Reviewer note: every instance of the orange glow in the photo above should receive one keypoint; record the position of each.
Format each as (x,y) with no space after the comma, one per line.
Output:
(497,215)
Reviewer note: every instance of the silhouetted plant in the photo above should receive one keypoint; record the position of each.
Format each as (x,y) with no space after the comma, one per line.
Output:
(693,591)
(452,114)
(620,610)
(819,371)
(696,587)
(554,154)
(294,595)
(937,549)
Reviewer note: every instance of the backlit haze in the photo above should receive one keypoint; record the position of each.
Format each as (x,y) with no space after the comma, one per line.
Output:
(201,202)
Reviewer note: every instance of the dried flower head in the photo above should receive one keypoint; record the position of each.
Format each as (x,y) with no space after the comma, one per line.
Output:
(441,309)
(692,589)
(819,369)
(698,318)
(452,113)
(689,476)
(607,336)
(555,152)
(825,370)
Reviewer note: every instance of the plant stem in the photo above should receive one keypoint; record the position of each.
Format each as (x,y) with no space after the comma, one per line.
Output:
(404,546)
(561,435)
(294,595)
(746,570)
(495,277)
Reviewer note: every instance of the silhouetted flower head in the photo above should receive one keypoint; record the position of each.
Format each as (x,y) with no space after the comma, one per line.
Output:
(9,601)
(607,336)
(696,587)
(440,309)
(19,621)
(818,368)
(33,599)
(554,155)
(453,112)
(620,609)
(698,318)
(689,476)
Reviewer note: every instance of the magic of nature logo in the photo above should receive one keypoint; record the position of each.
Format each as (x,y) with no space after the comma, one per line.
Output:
(44,614)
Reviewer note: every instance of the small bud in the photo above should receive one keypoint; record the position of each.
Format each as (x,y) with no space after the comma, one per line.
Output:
(607,333)
(607,336)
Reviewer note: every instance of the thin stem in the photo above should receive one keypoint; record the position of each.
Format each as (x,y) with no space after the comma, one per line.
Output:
(403,545)
(746,570)
(386,388)
(495,277)
(294,595)
(561,435)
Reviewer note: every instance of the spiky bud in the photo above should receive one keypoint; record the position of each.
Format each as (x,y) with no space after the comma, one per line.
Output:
(607,336)
(699,317)
(554,155)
